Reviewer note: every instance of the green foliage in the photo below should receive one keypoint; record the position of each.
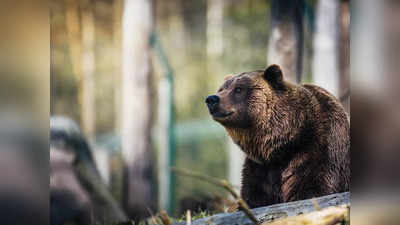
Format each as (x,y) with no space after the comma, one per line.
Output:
(246,36)
(206,156)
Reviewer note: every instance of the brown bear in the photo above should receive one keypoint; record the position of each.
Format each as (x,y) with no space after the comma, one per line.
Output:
(296,137)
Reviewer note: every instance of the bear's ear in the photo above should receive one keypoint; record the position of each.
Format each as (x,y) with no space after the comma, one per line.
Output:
(227,77)
(273,75)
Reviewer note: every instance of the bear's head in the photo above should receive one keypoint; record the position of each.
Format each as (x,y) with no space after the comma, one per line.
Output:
(258,109)
(243,98)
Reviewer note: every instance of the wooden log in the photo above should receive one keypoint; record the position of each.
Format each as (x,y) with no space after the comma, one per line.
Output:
(273,212)
(328,216)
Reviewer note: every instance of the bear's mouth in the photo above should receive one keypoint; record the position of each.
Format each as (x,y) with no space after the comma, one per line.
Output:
(221,114)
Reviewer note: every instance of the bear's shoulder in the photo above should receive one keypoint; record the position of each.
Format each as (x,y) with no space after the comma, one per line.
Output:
(327,103)
(318,91)
(323,96)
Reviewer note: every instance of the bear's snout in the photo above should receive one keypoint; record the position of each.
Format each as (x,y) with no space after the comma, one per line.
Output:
(212,102)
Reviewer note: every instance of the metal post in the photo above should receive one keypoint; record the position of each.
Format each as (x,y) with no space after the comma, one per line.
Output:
(167,200)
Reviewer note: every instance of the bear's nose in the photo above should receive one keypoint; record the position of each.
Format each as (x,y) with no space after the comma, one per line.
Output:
(212,100)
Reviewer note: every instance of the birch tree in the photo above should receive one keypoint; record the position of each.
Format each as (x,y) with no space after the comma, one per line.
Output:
(285,46)
(137,25)
(215,16)
(326,46)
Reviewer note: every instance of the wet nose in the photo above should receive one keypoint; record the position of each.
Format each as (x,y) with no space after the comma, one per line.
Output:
(212,100)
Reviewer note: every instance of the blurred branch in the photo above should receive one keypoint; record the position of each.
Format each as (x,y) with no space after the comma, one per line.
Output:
(99,191)
(222,183)
(245,208)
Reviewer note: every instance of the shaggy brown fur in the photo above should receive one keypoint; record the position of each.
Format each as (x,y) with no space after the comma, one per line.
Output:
(296,137)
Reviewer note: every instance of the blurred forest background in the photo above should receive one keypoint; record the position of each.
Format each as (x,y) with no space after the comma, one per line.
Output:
(134,75)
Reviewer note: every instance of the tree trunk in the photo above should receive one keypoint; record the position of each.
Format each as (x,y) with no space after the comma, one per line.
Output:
(344,68)
(88,115)
(117,17)
(137,25)
(368,39)
(116,173)
(73,24)
(81,46)
(285,46)
(106,209)
(326,46)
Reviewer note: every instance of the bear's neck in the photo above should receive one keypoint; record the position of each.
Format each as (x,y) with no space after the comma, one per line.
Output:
(268,141)
(257,145)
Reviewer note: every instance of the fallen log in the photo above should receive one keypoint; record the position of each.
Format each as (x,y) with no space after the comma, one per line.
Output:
(329,216)
(274,212)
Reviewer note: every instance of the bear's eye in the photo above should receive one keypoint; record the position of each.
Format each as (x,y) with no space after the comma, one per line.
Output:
(238,90)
